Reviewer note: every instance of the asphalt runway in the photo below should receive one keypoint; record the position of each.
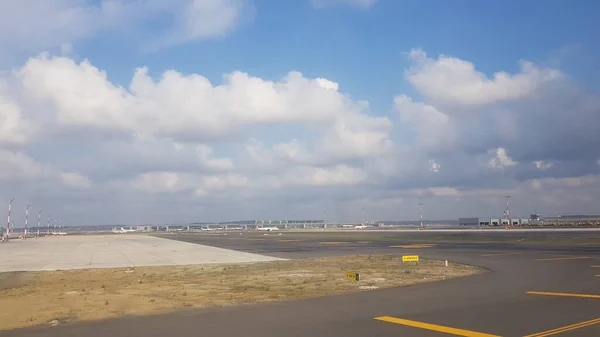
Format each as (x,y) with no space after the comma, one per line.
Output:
(535,287)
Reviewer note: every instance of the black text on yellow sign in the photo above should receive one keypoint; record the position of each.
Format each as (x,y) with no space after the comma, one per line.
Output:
(410,258)
(353,276)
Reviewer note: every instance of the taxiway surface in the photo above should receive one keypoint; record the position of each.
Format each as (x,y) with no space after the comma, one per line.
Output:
(534,288)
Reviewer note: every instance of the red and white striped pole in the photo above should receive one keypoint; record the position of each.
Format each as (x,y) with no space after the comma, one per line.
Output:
(8,224)
(507,212)
(38,224)
(26,219)
(421,215)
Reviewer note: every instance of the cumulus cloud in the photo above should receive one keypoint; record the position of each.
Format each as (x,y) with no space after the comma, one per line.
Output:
(451,80)
(287,144)
(501,159)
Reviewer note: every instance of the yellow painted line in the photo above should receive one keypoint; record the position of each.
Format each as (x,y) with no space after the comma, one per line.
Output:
(256,239)
(595,266)
(433,327)
(562,294)
(291,240)
(364,242)
(502,254)
(333,243)
(565,328)
(565,258)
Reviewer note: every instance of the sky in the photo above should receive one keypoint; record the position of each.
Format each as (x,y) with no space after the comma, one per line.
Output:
(153,112)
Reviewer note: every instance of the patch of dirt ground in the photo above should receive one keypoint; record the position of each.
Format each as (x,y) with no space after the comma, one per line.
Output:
(59,297)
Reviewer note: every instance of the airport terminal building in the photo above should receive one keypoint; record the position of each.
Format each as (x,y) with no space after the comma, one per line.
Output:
(533,220)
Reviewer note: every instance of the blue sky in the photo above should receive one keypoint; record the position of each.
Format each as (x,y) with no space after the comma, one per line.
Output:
(437,128)
(361,47)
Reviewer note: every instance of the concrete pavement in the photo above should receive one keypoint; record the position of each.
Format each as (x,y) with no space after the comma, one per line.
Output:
(111,251)
(518,297)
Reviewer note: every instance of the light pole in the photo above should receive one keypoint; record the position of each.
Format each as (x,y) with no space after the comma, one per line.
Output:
(364,220)
(8,224)
(48,233)
(421,215)
(26,219)
(38,224)
(507,212)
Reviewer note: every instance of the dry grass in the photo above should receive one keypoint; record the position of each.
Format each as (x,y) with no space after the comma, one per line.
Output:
(35,298)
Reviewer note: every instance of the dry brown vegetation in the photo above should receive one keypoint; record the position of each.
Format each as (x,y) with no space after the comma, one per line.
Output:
(57,297)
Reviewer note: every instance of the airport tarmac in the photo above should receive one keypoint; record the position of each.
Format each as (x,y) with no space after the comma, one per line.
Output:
(111,251)
(532,289)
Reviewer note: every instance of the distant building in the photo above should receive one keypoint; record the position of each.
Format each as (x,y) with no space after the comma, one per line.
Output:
(468,222)
(534,220)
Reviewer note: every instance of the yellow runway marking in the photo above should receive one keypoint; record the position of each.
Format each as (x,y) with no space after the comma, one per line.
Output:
(502,254)
(433,327)
(595,266)
(565,258)
(565,328)
(414,246)
(291,240)
(364,242)
(333,243)
(561,294)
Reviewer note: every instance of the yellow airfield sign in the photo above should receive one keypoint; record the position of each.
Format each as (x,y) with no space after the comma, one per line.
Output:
(410,258)
(353,276)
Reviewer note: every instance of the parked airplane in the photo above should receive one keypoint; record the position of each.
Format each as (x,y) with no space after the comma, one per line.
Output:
(268,229)
(122,230)
(360,227)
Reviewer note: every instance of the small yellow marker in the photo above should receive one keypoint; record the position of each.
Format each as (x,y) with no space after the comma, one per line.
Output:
(410,258)
(353,276)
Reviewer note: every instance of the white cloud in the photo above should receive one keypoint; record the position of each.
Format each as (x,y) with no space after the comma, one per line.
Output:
(76,180)
(185,105)
(158,182)
(451,80)
(316,176)
(540,164)
(278,145)
(13,128)
(18,166)
(202,19)
(35,25)
(501,159)
(219,164)
(434,128)
(327,84)
(434,166)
